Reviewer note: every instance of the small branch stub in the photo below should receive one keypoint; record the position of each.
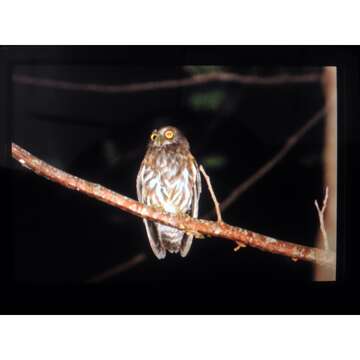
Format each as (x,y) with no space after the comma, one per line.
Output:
(239,245)
(321,218)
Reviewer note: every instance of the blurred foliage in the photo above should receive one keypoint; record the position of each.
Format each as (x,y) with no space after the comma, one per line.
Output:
(203,69)
(214,162)
(111,152)
(207,101)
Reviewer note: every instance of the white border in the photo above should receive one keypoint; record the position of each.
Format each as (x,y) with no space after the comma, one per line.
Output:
(178,337)
(181,22)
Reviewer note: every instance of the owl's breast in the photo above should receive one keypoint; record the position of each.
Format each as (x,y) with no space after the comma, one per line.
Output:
(169,182)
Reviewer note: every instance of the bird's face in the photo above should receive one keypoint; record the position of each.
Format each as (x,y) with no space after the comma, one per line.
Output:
(167,135)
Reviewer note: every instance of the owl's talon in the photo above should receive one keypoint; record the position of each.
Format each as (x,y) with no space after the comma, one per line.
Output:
(158,208)
(195,234)
(199,236)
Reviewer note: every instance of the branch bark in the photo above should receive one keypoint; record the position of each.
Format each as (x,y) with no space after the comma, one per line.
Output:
(168,84)
(185,223)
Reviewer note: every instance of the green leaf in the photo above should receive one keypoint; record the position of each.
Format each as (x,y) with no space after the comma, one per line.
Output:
(214,162)
(207,101)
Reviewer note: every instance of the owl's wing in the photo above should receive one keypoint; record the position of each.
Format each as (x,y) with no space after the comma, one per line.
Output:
(150,227)
(139,182)
(194,211)
(153,236)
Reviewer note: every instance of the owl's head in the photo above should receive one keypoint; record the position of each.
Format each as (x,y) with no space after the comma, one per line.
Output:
(167,135)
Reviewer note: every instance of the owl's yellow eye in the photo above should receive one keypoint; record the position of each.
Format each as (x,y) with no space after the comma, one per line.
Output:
(169,134)
(153,136)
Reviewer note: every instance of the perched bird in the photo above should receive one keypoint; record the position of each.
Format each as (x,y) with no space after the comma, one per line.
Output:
(169,178)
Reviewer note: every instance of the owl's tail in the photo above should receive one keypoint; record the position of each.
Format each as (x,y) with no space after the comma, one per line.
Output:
(170,238)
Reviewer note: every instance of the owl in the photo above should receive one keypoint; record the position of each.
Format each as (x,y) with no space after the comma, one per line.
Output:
(169,179)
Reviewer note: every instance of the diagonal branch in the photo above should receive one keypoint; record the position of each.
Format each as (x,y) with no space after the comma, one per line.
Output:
(185,223)
(134,261)
(168,84)
(264,169)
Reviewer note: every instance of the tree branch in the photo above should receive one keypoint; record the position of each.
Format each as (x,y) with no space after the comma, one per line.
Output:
(182,222)
(329,84)
(167,84)
(134,261)
(264,169)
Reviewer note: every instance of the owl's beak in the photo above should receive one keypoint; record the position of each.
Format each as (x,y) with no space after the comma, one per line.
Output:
(159,140)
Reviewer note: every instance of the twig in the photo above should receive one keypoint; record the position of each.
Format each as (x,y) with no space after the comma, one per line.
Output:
(136,260)
(263,170)
(168,84)
(185,223)
(213,196)
(239,245)
(321,218)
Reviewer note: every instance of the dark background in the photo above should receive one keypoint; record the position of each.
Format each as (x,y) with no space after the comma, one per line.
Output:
(233,129)
(62,237)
